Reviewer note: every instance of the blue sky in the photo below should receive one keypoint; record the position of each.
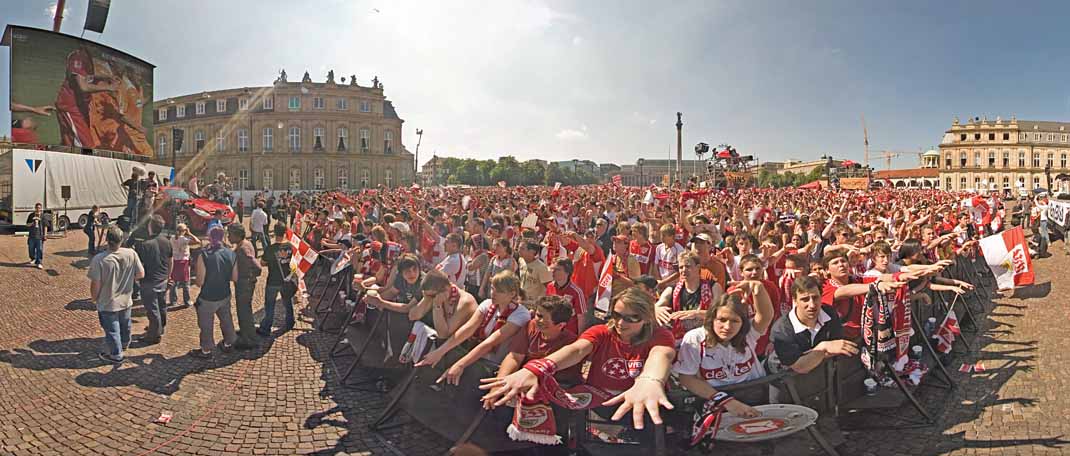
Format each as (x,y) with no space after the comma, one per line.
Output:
(603,80)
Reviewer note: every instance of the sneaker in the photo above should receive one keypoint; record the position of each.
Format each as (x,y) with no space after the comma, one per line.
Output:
(197,353)
(40,266)
(109,358)
(224,347)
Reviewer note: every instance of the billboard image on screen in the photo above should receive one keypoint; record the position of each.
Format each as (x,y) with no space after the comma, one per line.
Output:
(73,92)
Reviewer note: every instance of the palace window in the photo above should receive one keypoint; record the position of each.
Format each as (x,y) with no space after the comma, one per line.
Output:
(221,105)
(1006,159)
(200,107)
(343,138)
(343,178)
(268,179)
(317,178)
(976,136)
(180,111)
(295,179)
(365,139)
(221,140)
(365,106)
(991,136)
(198,139)
(388,142)
(991,159)
(1021,159)
(243,178)
(389,176)
(243,104)
(268,103)
(295,103)
(947,161)
(269,138)
(162,150)
(295,139)
(1062,160)
(317,138)
(317,103)
(163,113)
(365,176)
(1036,160)
(341,104)
(977,159)
(1051,159)
(947,184)
(962,159)
(1006,136)
(243,140)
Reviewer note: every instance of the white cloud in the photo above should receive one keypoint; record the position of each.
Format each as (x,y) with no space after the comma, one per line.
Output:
(51,11)
(570,134)
(577,40)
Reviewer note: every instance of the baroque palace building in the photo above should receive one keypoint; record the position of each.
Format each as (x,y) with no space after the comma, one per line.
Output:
(288,136)
(1004,155)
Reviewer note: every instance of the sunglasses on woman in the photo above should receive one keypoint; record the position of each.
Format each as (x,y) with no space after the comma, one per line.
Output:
(628,318)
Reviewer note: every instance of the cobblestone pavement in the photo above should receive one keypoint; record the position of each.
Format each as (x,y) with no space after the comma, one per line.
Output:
(56,397)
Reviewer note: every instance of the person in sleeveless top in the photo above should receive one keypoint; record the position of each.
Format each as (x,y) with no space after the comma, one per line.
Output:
(216,269)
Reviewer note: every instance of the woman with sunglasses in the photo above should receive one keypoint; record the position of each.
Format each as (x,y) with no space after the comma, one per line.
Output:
(630,358)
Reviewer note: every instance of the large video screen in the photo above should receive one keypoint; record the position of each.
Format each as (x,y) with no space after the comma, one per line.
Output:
(73,92)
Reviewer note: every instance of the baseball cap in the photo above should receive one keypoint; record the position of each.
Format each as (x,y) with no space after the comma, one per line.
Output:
(702,237)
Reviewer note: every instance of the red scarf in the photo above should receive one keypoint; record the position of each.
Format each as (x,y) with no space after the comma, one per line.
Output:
(533,421)
(705,299)
(483,333)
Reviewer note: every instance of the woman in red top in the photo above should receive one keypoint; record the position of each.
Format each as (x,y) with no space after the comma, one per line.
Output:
(630,357)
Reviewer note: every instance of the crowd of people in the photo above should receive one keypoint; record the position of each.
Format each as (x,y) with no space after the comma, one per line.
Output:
(628,291)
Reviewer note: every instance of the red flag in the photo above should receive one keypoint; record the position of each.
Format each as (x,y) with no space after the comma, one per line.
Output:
(305,256)
(501,184)
(945,334)
(605,285)
(617,180)
(1008,257)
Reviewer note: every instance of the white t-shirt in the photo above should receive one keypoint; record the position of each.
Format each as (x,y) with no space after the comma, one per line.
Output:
(718,365)
(259,219)
(892,269)
(180,248)
(453,266)
(520,317)
(666,258)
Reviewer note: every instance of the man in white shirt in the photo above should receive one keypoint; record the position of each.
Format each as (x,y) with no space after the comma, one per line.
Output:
(257,223)
(453,264)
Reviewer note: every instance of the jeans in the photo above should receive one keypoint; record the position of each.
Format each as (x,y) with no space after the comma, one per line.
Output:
(153,297)
(243,301)
(271,292)
(1042,243)
(116,331)
(37,249)
(92,234)
(181,285)
(207,311)
(263,241)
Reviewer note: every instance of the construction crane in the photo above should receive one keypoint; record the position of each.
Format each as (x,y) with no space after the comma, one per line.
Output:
(888,155)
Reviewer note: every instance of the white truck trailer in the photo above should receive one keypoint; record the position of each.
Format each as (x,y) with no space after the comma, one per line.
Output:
(31,176)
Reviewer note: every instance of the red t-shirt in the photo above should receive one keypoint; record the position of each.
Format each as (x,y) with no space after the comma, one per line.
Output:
(575,297)
(531,344)
(584,274)
(615,364)
(644,254)
(849,309)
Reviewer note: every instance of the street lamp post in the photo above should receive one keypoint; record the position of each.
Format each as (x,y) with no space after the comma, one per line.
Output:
(416,160)
(640,163)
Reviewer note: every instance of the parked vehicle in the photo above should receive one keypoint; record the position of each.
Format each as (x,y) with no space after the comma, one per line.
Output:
(177,205)
(28,177)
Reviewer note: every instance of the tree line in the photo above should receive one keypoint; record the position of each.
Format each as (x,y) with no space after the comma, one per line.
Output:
(469,171)
(767,178)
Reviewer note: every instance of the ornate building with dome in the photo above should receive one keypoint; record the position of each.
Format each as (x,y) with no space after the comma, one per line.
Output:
(982,154)
(290,135)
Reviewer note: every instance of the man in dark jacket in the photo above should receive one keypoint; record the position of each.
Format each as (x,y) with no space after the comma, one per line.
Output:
(248,271)
(155,254)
